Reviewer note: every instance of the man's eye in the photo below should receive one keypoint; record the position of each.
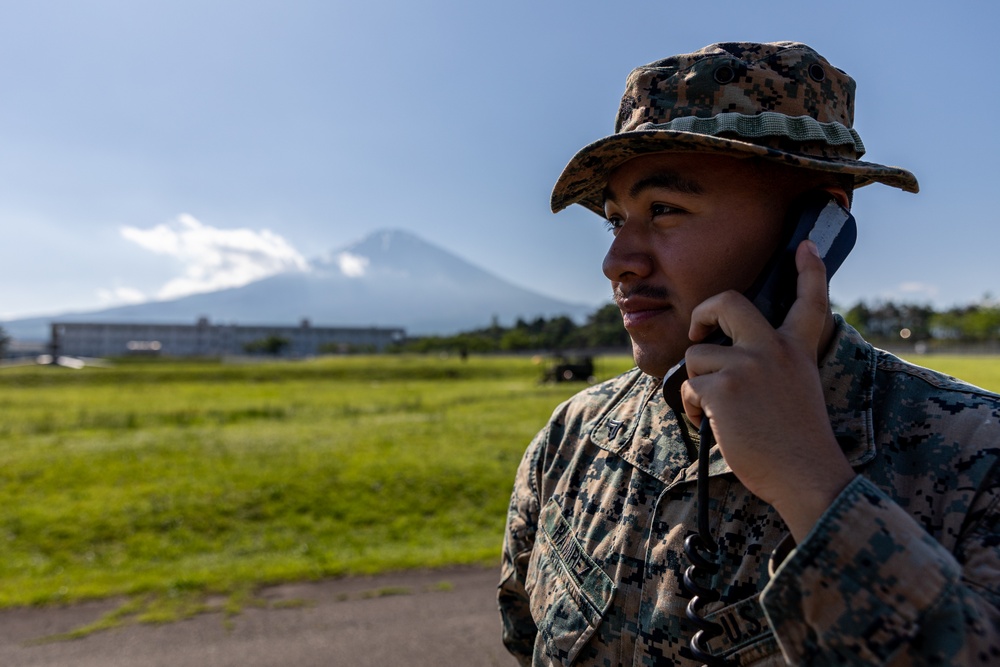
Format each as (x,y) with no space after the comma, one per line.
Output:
(661,209)
(613,224)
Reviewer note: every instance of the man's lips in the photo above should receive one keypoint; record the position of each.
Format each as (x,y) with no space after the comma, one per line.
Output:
(637,310)
(640,303)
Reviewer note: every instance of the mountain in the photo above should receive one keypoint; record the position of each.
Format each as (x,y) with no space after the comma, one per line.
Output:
(390,278)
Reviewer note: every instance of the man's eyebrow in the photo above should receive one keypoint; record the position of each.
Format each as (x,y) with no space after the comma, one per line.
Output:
(667,180)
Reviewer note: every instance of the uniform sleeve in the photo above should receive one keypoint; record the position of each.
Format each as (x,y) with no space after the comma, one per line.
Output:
(519,628)
(869,586)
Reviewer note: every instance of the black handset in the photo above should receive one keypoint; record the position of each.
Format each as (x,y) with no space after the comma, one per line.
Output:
(818,217)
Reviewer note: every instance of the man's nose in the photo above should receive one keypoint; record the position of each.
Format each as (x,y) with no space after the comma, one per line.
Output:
(628,257)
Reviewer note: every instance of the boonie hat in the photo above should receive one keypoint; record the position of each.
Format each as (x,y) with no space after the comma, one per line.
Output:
(780,101)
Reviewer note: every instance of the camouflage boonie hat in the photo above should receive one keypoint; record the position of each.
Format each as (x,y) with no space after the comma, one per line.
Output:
(780,101)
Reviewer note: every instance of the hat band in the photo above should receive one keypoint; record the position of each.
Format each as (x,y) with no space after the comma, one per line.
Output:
(764,124)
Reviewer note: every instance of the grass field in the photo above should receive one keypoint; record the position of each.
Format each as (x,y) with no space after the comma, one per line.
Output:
(195,477)
(168,481)
(983,371)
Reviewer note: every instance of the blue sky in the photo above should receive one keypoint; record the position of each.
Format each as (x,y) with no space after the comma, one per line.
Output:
(152,148)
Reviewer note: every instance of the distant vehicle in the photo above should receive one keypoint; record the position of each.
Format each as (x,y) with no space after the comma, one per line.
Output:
(574,369)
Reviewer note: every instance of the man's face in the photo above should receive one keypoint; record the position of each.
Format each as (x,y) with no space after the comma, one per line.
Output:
(687,226)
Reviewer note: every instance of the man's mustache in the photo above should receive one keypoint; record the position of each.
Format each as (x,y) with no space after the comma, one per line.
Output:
(641,290)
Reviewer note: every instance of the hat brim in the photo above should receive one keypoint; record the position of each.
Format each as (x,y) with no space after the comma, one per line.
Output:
(585,177)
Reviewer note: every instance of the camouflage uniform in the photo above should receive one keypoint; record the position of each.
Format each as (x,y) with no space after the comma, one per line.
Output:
(904,567)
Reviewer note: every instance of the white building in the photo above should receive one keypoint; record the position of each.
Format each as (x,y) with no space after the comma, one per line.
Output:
(94,339)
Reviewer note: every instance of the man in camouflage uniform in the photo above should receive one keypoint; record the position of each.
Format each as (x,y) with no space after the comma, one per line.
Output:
(854,496)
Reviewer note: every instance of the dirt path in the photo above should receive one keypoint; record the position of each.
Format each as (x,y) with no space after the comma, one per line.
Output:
(426,618)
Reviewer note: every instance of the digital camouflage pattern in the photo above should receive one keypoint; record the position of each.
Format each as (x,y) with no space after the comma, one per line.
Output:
(903,569)
(781,101)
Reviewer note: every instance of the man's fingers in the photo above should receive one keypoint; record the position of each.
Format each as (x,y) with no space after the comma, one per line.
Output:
(717,373)
(739,319)
(710,370)
(706,359)
(691,402)
(807,317)
(731,312)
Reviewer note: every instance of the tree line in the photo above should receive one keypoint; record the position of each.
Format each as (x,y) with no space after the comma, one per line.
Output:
(888,321)
(602,329)
(879,321)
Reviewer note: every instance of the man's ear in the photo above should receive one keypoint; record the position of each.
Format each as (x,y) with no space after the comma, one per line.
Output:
(838,193)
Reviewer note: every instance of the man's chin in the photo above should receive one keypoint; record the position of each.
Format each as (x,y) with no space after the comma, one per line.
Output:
(655,361)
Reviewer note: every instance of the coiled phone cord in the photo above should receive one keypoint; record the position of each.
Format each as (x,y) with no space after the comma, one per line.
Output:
(703,553)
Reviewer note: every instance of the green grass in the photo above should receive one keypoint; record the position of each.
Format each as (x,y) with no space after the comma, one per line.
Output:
(983,371)
(173,478)
(175,484)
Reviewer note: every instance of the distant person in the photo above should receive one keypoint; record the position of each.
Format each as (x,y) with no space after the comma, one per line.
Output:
(854,498)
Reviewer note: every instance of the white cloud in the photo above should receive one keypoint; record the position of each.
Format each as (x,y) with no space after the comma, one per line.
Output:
(215,258)
(914,288)
(352,266)
(118,296)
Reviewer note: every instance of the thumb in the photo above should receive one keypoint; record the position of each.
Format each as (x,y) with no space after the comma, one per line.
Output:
(807,316)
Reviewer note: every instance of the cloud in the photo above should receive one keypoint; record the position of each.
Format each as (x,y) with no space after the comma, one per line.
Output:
(213,258)
(914,288)
(352,266)
(120,296)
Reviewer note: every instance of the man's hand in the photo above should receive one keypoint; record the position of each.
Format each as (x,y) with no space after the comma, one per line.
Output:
(764,399)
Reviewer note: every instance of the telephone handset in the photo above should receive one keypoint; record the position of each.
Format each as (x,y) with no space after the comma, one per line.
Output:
(818,217)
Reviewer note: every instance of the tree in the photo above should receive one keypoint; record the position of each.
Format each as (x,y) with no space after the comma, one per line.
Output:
(889,321)
(517,339)
(858,317)
(974,323)
(559,333)
(272,345)
(4,342)
(604,328)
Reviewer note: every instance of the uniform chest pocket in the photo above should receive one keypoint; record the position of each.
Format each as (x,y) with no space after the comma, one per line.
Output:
(568,591)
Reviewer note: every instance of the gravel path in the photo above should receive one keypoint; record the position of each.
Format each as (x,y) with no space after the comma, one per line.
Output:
(424,618)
